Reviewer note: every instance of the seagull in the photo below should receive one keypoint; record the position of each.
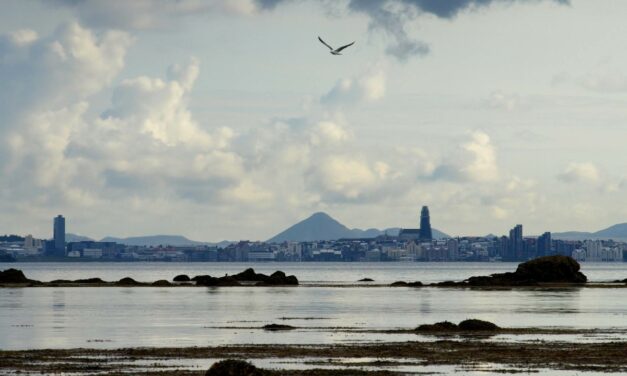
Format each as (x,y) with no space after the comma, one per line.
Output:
(335,51)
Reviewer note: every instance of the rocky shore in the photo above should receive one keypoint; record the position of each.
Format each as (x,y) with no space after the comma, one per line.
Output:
(16,278)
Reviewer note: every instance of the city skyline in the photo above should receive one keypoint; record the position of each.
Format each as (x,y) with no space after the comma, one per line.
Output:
(207,119)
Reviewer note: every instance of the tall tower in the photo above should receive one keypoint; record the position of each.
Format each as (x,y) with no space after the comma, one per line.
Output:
(425,224)
(59,235)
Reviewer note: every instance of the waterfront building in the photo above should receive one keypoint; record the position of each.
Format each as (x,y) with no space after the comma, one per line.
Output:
(59,235)
(425,225)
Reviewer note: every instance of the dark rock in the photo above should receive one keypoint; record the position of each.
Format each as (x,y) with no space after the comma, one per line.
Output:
(204,276)
(161,283)
(406,284)
(234,367)
(61,281)
(366,280)
(551,269)
(89,281)
(250,276)
(13,276)
(399,284)
(127,281)
(477,325)
(448,284)
(444,326)
(273,327)
(547,269)
(207,280)
(181,278)
(279,278)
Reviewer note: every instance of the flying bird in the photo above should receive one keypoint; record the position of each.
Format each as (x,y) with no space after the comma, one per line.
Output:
(335,51)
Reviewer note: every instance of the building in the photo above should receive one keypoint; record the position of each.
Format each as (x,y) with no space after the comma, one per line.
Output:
(59,235)
(544,244)
(515,245)
(425,225)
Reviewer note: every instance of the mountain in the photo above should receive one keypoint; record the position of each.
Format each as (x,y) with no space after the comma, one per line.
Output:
(321,226)
(154,240)
(76,238)
(616,232)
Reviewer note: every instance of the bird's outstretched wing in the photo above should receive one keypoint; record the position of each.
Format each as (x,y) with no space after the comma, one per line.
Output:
(343,47)
(323,42)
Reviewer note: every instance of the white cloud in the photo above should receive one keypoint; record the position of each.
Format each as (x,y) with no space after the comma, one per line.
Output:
(475,160)
(584,172)
(367,87)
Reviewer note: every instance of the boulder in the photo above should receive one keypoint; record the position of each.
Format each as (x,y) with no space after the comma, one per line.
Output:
(399,284)
(276,327)
(207,280)
(250,276)
(234,367)
(127,281)
(89,281)
(406,284)
(547,269)
(279,278)
(443,326)
(13,276)
(182,278)
(477,325)
(161,283)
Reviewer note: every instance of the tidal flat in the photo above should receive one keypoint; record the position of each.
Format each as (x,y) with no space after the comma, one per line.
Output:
(463,356)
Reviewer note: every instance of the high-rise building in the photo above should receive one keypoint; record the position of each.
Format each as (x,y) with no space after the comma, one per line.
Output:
(425,225)
(59,235)
(544,244)
(515,246)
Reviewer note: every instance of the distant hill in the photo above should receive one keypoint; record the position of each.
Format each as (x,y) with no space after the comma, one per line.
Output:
(76,238)
(321,226)
(156,240)
(616,232)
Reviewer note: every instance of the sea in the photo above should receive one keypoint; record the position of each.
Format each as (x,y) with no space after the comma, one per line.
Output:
(329,298)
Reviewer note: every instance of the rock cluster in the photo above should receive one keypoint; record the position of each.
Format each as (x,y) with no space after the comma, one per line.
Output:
(470,325)
(277,278)
(406,284)
(547,269)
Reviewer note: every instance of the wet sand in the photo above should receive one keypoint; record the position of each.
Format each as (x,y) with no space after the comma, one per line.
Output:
(463,351)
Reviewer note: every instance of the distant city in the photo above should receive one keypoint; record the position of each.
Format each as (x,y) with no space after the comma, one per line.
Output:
(318,238)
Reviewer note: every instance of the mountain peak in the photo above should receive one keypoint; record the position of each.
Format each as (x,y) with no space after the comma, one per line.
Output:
(321,226)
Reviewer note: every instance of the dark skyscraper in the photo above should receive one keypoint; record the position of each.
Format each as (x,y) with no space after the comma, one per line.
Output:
(425,224)
(59,235)
(515,246)
(544,244)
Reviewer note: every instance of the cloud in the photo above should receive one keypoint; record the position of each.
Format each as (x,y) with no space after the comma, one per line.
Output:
(392,17)
(475,160)
(367,87)
(150,14)
(584,172)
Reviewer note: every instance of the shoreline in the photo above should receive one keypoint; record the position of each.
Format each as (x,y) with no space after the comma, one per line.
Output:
(376,358)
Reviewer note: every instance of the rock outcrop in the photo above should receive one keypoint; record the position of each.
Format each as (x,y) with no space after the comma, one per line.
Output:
(13,276)
(181,278)
(547,269)
(406,284)
(235,367)
(277,327)
(470,325)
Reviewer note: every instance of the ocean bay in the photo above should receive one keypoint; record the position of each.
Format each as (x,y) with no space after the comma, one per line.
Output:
(115,317)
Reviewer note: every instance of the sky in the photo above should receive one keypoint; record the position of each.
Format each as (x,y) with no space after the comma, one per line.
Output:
(227,119)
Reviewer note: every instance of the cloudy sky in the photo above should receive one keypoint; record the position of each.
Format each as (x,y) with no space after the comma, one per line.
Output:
(227,119)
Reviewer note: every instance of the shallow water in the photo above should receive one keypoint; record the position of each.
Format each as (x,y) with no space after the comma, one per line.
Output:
(113,317)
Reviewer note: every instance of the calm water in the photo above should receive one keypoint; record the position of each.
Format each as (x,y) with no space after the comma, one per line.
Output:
(123,317)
